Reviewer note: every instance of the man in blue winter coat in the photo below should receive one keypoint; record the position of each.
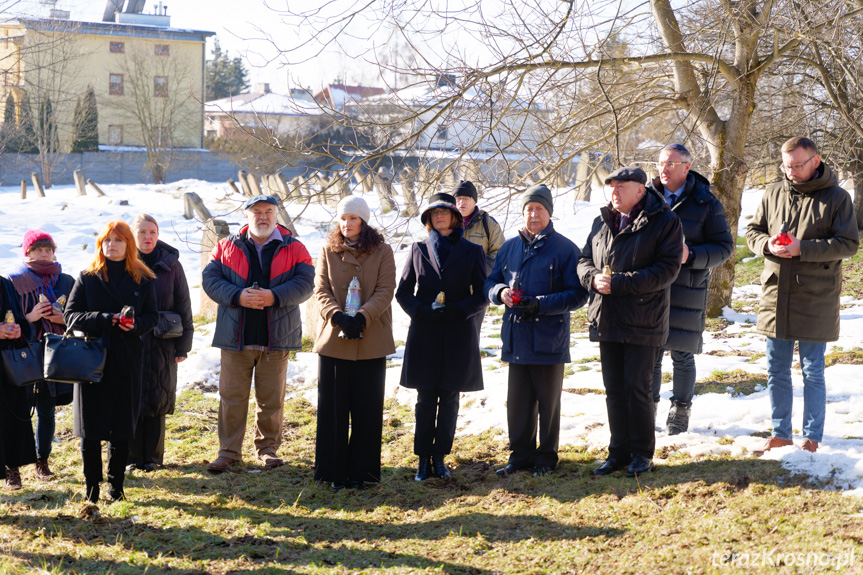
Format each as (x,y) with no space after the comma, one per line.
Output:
(542,265)
(707,243)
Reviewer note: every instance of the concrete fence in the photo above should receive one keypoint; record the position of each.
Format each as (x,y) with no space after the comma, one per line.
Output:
(127,167)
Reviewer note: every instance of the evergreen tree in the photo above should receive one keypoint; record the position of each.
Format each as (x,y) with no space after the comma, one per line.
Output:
(9,129)
(225,76)
(85,131)
(28,143)
(47,123)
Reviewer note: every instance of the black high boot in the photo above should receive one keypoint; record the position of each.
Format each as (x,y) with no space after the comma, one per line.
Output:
(678,417)
(440,468)
(92,492)
(424,469)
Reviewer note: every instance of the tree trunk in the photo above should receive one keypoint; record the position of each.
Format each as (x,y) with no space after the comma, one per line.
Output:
(856,168)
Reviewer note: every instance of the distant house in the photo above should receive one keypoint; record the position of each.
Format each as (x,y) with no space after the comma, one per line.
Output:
(261,109)
(337,96)
(518,124)
(132,56)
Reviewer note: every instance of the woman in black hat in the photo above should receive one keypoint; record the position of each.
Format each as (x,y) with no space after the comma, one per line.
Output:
(441,290)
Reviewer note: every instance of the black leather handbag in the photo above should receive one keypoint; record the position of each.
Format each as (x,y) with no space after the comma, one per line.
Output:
(22,366)
(74,359)
(169,326)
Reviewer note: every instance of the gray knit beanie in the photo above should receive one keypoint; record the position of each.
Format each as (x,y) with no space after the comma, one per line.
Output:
(354,205)
(538,193)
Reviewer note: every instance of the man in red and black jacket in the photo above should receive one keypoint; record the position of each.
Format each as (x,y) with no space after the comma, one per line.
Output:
(258,278)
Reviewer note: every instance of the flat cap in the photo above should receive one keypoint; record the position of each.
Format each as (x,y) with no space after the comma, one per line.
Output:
(258,199)
(627,174)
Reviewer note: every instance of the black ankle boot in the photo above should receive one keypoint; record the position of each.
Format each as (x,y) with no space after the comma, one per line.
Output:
(115,492)
(92,492)
(424,469)
(440,468)
(678,417)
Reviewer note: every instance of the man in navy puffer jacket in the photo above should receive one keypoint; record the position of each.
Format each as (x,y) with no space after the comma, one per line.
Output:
(535,331)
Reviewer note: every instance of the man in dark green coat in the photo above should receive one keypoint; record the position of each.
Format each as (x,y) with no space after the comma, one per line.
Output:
(804,227)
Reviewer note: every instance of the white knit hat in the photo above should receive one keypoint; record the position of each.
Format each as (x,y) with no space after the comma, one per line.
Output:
(354,205)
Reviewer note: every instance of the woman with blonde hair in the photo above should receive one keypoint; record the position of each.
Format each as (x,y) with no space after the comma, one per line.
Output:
(108,410)
(161,355)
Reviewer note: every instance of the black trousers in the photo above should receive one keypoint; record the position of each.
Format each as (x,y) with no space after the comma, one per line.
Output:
(436,420)
(627,372)
(350,419)
(533,401)
(148,446)
(91,453)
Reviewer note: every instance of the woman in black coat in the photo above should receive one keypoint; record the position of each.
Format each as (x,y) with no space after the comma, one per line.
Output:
(108,410)
(442,349)
(161,356)
(17,445)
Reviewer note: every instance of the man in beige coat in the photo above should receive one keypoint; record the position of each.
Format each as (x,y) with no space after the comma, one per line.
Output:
(804,227)
(479,228)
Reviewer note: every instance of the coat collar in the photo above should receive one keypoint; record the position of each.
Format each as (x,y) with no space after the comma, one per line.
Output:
(458,250)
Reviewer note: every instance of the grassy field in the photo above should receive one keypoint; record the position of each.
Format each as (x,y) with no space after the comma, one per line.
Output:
(700,515)
(694,515)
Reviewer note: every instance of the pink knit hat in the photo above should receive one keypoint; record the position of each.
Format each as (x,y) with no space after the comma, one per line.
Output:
(33,236)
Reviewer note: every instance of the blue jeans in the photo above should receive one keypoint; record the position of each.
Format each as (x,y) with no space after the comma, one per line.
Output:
(683,379)
(45,421)
(780,353)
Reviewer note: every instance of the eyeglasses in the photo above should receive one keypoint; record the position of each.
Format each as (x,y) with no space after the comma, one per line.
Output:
(439,211)
(672,165)
(796,167)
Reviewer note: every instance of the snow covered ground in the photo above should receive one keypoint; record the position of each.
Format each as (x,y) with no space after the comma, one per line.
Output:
(721,423)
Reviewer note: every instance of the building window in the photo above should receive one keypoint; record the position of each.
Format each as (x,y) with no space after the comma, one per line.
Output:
(115,84)
(115,135)
(160,86)
(118,47)
(441,133)
(163,50)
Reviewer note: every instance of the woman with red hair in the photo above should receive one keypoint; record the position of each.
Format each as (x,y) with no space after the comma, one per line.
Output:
(108,410)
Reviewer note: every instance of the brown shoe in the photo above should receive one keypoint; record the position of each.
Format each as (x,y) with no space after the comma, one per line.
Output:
(773,443)
(809,445)
(43,472)
(13,479)
(221,464)
(270,460)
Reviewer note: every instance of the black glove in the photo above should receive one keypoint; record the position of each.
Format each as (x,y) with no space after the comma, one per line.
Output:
(426,313)
(527,308)
(351,327)
(453,312)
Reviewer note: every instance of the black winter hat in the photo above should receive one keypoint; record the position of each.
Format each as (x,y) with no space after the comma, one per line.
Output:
(465,188)
(538,193)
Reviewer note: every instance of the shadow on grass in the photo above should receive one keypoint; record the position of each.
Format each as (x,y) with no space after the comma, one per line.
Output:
(192,545)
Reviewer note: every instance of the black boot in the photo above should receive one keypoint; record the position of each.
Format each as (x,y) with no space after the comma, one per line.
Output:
(678,417)
(440,468)
(424,470)
(115,492)
(92,492)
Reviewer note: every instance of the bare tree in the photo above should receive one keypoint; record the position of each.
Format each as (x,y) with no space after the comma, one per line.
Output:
(159,100)
(46,64)
(555,79)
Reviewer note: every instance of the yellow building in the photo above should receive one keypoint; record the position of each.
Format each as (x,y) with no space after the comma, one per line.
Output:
(148,77)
